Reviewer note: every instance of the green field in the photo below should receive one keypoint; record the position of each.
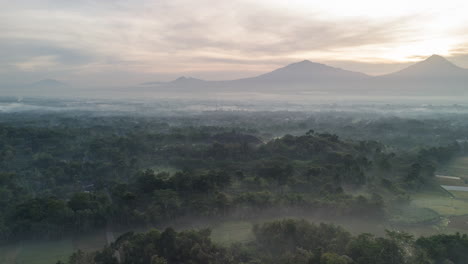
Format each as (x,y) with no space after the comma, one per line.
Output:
(458,167)
(235,231)
(442,204)
(412,215)
(453,182)
(460,195)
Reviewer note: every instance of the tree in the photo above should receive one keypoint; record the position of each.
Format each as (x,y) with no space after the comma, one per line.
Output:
(158,260)
(332,258)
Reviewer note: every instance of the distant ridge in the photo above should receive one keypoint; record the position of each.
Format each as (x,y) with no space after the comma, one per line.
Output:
(434,75)
(184,79)
(48,83)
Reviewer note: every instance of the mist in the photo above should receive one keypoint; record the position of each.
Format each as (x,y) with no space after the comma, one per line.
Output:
(233,132)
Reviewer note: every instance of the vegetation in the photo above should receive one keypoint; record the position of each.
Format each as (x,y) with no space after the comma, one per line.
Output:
(61,180)
(285,241)
(66,176)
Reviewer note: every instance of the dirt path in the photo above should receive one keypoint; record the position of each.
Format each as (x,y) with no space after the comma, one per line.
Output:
(459,222)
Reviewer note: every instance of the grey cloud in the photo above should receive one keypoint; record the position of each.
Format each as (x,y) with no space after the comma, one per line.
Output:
(180,35)
(17,51)
(288,33)
(251,61)
(173,27)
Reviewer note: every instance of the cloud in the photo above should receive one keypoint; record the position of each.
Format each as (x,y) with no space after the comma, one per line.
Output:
(36,63)
(12,51)
(86,37)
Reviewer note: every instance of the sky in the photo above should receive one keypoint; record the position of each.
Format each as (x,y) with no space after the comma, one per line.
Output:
(119,42)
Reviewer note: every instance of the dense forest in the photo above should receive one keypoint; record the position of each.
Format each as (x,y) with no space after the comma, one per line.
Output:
(58,180)
(285,241)
(63,174)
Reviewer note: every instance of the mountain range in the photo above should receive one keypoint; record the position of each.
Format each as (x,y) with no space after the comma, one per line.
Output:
(435,75)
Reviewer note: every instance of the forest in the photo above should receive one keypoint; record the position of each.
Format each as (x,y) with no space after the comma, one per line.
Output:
(233,132)
(63,174)
(285,241)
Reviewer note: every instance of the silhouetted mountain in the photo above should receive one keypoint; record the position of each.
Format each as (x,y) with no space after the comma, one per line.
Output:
(434,66)
(47,83)
(309,71)
(433,76)
(180,83)
(300,76)
(186,80)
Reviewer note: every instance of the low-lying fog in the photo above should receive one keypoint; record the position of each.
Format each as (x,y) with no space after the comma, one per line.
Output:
(397,106)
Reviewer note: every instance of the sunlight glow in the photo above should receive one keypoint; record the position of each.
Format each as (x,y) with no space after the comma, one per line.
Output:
(173,36)
(434,27)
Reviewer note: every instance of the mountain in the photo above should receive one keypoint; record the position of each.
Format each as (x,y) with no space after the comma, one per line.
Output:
(186,80)
(434,66)
(299,76)
(179,83)
(47,83)
(307,71)
(433,76)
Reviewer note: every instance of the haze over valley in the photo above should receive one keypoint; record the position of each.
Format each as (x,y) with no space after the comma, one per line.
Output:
(233,132)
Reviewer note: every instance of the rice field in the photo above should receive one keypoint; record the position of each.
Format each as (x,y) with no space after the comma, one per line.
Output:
(451,182)
(453,188)
(442,204)
(460,195)
(458,168)
(413,215)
